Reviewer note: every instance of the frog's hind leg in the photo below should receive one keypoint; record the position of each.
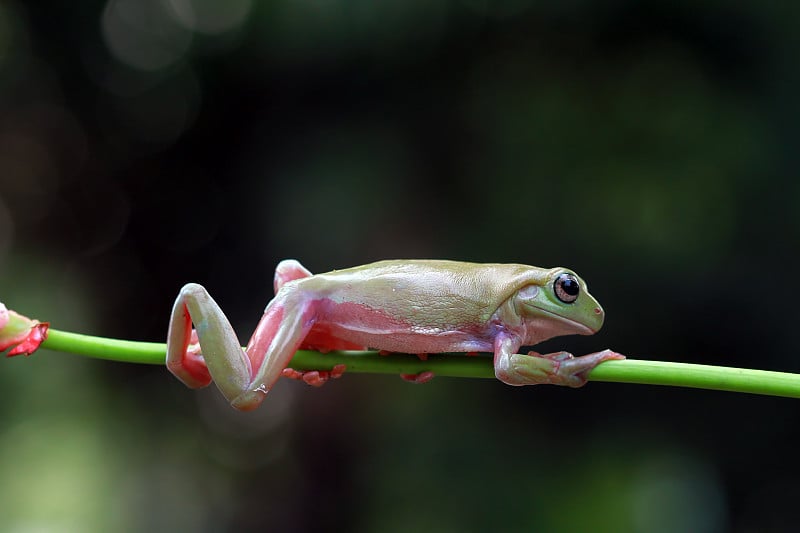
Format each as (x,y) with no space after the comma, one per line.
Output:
(288,270)
(319,339)
(243,376)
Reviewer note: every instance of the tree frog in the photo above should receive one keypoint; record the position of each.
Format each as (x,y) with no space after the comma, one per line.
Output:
(407,306)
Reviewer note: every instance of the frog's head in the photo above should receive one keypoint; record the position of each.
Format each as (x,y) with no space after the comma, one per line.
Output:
(558,304)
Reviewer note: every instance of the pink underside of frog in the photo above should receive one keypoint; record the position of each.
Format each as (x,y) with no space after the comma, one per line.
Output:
(373,328)
(364,326)
(369,325)
(367,328)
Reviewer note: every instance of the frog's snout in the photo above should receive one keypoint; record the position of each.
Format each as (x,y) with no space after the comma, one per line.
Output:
(597,318)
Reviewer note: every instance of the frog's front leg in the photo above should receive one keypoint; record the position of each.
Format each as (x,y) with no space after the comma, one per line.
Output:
(559,368)
(243,376)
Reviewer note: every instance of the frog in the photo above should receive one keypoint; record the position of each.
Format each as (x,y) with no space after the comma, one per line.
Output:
(423,306)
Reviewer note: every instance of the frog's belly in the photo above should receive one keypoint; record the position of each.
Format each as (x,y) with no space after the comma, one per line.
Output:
(367,328)
(397,341)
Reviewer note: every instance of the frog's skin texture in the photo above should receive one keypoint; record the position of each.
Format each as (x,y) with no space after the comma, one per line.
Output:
(408,306)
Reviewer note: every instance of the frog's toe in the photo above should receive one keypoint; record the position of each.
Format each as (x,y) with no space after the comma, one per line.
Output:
(315,378)
(531,369)
(291,373)
(422,377)
(337,371)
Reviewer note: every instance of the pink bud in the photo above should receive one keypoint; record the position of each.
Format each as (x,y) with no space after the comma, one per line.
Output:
(20,333)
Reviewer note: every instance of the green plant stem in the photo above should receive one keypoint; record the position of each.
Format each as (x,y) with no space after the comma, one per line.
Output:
(453,365)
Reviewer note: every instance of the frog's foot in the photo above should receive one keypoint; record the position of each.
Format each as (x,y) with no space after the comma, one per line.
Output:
(422,377)
(315,378)
(559,368)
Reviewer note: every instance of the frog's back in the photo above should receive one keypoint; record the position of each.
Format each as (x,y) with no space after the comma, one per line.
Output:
(431,292)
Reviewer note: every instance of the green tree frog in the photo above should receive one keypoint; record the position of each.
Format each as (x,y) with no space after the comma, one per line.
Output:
(407,306)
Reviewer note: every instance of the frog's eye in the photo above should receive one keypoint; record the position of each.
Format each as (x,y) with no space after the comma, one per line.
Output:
(567,288)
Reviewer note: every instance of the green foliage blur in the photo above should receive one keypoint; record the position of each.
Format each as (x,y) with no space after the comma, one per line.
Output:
(651,146)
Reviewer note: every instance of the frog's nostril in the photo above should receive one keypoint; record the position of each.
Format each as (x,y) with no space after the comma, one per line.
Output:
(597,310)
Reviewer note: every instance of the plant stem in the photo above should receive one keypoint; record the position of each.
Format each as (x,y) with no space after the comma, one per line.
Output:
(451,365)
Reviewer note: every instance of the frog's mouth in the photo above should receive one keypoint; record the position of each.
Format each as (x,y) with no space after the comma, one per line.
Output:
(572,326)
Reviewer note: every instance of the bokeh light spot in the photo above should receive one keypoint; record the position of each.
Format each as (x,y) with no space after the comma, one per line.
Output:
(210,16)
(143,34)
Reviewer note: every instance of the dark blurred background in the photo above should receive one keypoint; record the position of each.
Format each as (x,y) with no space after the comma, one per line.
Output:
(651,146)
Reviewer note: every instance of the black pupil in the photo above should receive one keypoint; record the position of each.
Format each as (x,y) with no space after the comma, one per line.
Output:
(570,285)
